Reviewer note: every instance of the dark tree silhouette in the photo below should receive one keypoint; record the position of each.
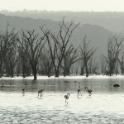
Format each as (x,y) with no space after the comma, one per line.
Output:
(23,61)
(8,50)
(69,59)
(59,43)
(121,63)
(93,66)
(46,66)
(86,55)
(33,45)
(114,49)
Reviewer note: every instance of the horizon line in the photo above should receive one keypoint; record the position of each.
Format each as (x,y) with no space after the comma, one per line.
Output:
(80,11)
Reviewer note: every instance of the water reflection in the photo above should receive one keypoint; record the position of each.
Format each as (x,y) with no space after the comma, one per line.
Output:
(62,85)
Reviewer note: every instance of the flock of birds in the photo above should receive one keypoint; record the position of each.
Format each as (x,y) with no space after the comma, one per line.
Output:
(89,91)
(66,96)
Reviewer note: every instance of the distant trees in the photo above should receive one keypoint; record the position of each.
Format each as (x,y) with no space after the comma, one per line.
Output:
(45,64)
(23,61)
(70,57)
(59,44)
(113,51)
(8,52)
(32,45)
(121,62)
(52,53)
(86,54)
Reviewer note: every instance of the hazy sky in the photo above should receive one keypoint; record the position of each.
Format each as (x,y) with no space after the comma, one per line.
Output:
(71,5)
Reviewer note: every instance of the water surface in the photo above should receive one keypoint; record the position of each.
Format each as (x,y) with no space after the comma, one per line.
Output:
(105,106)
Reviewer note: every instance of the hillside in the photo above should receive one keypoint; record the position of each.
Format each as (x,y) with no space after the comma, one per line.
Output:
(113,21)
(96,34)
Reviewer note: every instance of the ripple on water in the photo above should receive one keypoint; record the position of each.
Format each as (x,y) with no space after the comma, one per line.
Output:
(98,109)
(9,116)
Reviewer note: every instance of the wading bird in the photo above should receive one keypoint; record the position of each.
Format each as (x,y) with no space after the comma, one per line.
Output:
(40,92)
(66,98)
(23,92)
(88,91)
(79,92)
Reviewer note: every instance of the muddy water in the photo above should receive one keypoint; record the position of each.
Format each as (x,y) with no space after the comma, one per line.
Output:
(105,106)
(60,85)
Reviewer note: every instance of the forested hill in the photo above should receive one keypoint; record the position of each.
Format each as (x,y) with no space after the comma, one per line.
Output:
(113,21)
(97,35)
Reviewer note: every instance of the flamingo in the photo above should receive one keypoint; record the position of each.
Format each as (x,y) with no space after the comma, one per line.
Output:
(66,98)
(40,92)
(88,90)
(23,92)
(79,92)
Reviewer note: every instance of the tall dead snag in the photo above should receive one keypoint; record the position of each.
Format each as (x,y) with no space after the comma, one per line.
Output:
(1,56)
(114,48)
(46,66)
(121,63)
(23,61)
(93,66)
(59,43)
(8,49)
(86,55)
(103,65)
(33,45)
(70,57)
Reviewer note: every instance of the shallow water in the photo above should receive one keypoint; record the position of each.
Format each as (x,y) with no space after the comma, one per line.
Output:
(105,106)
(62,85)
(100,108)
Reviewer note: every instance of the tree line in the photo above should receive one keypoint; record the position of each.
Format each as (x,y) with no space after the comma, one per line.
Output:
(48,53)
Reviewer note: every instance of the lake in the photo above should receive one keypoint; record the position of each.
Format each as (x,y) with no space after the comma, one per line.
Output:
(105,106)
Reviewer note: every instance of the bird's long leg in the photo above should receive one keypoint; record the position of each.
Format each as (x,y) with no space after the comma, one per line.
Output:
(90,94)
(65,101)
(81,93)
(23,93)
(40,94)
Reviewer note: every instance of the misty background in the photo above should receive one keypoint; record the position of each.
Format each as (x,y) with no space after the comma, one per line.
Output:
(98,26)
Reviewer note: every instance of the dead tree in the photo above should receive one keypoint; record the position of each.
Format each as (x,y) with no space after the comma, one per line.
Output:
(86,54)
(33,45)
(59,43)
(45,65)
(1,55)
(23,61)
(114,48)
(103,65)
(93,66)
(69,59)
(121,63)
(8,49)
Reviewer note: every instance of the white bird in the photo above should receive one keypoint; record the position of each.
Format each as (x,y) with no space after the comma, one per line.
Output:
(23,92)
(88,91)
(40,92)
(66,98)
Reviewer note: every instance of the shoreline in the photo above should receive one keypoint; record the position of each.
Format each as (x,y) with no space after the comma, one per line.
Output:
(71,77)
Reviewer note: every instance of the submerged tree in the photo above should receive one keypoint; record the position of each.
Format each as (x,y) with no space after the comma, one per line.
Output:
(93,66)
(121,63)
(103,65)
(8,50)
(59,43)
(86,55)
(70,57)
(114,48)
(23,61)
(45,64)
(32,45)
